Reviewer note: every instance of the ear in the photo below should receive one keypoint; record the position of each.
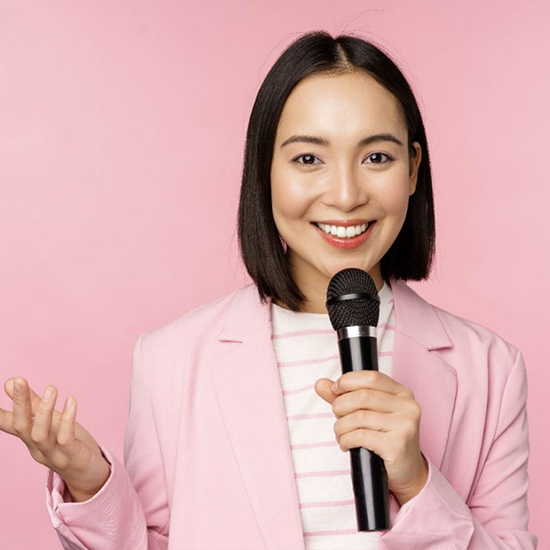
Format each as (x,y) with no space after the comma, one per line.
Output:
(414,163)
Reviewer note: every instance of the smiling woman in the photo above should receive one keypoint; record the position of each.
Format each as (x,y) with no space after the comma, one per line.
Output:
(337,175)
(235,421)
(335,142)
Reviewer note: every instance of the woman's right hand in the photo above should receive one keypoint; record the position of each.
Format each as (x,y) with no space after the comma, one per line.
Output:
(55,439)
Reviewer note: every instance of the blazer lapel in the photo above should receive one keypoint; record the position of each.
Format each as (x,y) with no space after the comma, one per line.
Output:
(247,384)
(419,334)
(249,392)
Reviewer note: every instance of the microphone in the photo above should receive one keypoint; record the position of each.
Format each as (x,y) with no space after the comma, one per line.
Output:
(353,307)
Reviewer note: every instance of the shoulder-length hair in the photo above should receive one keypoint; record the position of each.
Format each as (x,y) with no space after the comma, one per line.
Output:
(411,254)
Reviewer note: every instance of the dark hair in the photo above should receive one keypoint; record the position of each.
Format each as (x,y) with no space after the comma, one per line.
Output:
(411,254)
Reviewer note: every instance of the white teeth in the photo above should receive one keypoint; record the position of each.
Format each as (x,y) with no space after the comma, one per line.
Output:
(345,232)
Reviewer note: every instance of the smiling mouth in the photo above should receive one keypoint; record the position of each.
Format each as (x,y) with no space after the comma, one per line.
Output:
(343,232)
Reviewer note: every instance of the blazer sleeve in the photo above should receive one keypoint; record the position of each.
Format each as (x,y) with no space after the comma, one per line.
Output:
(497,516)
(130,512)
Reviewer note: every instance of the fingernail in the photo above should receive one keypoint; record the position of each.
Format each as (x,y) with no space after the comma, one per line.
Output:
(18,386)
(47,394)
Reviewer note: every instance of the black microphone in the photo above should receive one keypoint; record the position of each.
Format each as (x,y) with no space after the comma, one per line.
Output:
(353,307)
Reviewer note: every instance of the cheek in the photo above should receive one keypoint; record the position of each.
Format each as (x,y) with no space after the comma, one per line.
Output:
(395,203)
(290,198)
(395,198)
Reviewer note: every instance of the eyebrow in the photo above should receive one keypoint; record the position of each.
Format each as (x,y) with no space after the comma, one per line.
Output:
(325,143)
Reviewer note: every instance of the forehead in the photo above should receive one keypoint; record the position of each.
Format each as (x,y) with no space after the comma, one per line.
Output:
(339,106)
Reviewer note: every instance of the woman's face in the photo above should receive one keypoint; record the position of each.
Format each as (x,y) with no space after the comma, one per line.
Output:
(340,180)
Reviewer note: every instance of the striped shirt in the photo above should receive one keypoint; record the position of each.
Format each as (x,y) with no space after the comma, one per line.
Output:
(306,348)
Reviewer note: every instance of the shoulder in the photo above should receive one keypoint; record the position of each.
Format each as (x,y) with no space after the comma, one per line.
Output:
(193,328)
(459,340)
(476,344)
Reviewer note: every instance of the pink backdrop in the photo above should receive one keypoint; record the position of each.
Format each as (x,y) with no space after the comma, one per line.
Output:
(122,132)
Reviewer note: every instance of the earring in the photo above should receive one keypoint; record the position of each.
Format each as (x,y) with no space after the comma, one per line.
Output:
(283,244)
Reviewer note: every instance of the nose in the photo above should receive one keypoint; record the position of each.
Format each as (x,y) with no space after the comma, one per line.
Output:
(346,190)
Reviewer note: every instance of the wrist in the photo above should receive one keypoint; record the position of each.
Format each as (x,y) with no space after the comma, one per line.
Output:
(83,493)
(78,496)
(405,496)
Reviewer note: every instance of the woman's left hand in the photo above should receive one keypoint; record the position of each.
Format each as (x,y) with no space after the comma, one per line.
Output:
(377,413)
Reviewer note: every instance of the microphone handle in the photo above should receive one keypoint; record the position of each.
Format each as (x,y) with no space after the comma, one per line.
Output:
(370,479)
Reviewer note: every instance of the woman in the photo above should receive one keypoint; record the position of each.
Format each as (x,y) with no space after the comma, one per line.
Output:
(231,441)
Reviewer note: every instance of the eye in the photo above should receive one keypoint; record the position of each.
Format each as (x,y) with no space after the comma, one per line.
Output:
(384,154)
(304,155)
(310,156)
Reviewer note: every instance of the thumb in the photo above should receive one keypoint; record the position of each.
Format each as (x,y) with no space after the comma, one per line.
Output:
(323,387)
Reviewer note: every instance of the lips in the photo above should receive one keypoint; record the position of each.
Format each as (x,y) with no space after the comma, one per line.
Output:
(343,223)
(345,242)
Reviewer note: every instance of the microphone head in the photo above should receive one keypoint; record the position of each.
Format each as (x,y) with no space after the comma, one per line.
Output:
(352,299)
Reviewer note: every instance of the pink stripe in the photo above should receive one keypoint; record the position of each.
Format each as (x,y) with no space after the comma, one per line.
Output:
(309,332)
(333,443)
(307,416)
(326,533)
(299,390)
(327,504)
(307,361)
(303,333)
(323,473)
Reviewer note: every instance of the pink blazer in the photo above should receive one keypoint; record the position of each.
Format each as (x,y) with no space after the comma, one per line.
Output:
(207,460)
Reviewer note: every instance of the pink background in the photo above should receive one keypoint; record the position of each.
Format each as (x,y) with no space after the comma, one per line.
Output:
(122,133)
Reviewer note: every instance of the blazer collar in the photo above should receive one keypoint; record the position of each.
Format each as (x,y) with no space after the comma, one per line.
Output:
(246,381)
(415,317)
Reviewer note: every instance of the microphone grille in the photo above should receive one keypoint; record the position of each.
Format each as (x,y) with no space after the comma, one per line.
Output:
(352,299)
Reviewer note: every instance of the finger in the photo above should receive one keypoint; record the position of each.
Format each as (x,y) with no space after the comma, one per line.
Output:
(368,439)
(22,421)
(34,397)
(8,384)
(6,422)
(6,417)
(66,434)
(323,387)
(366,398)
(371,420)
(35,403)
(42,433)
(373,379)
